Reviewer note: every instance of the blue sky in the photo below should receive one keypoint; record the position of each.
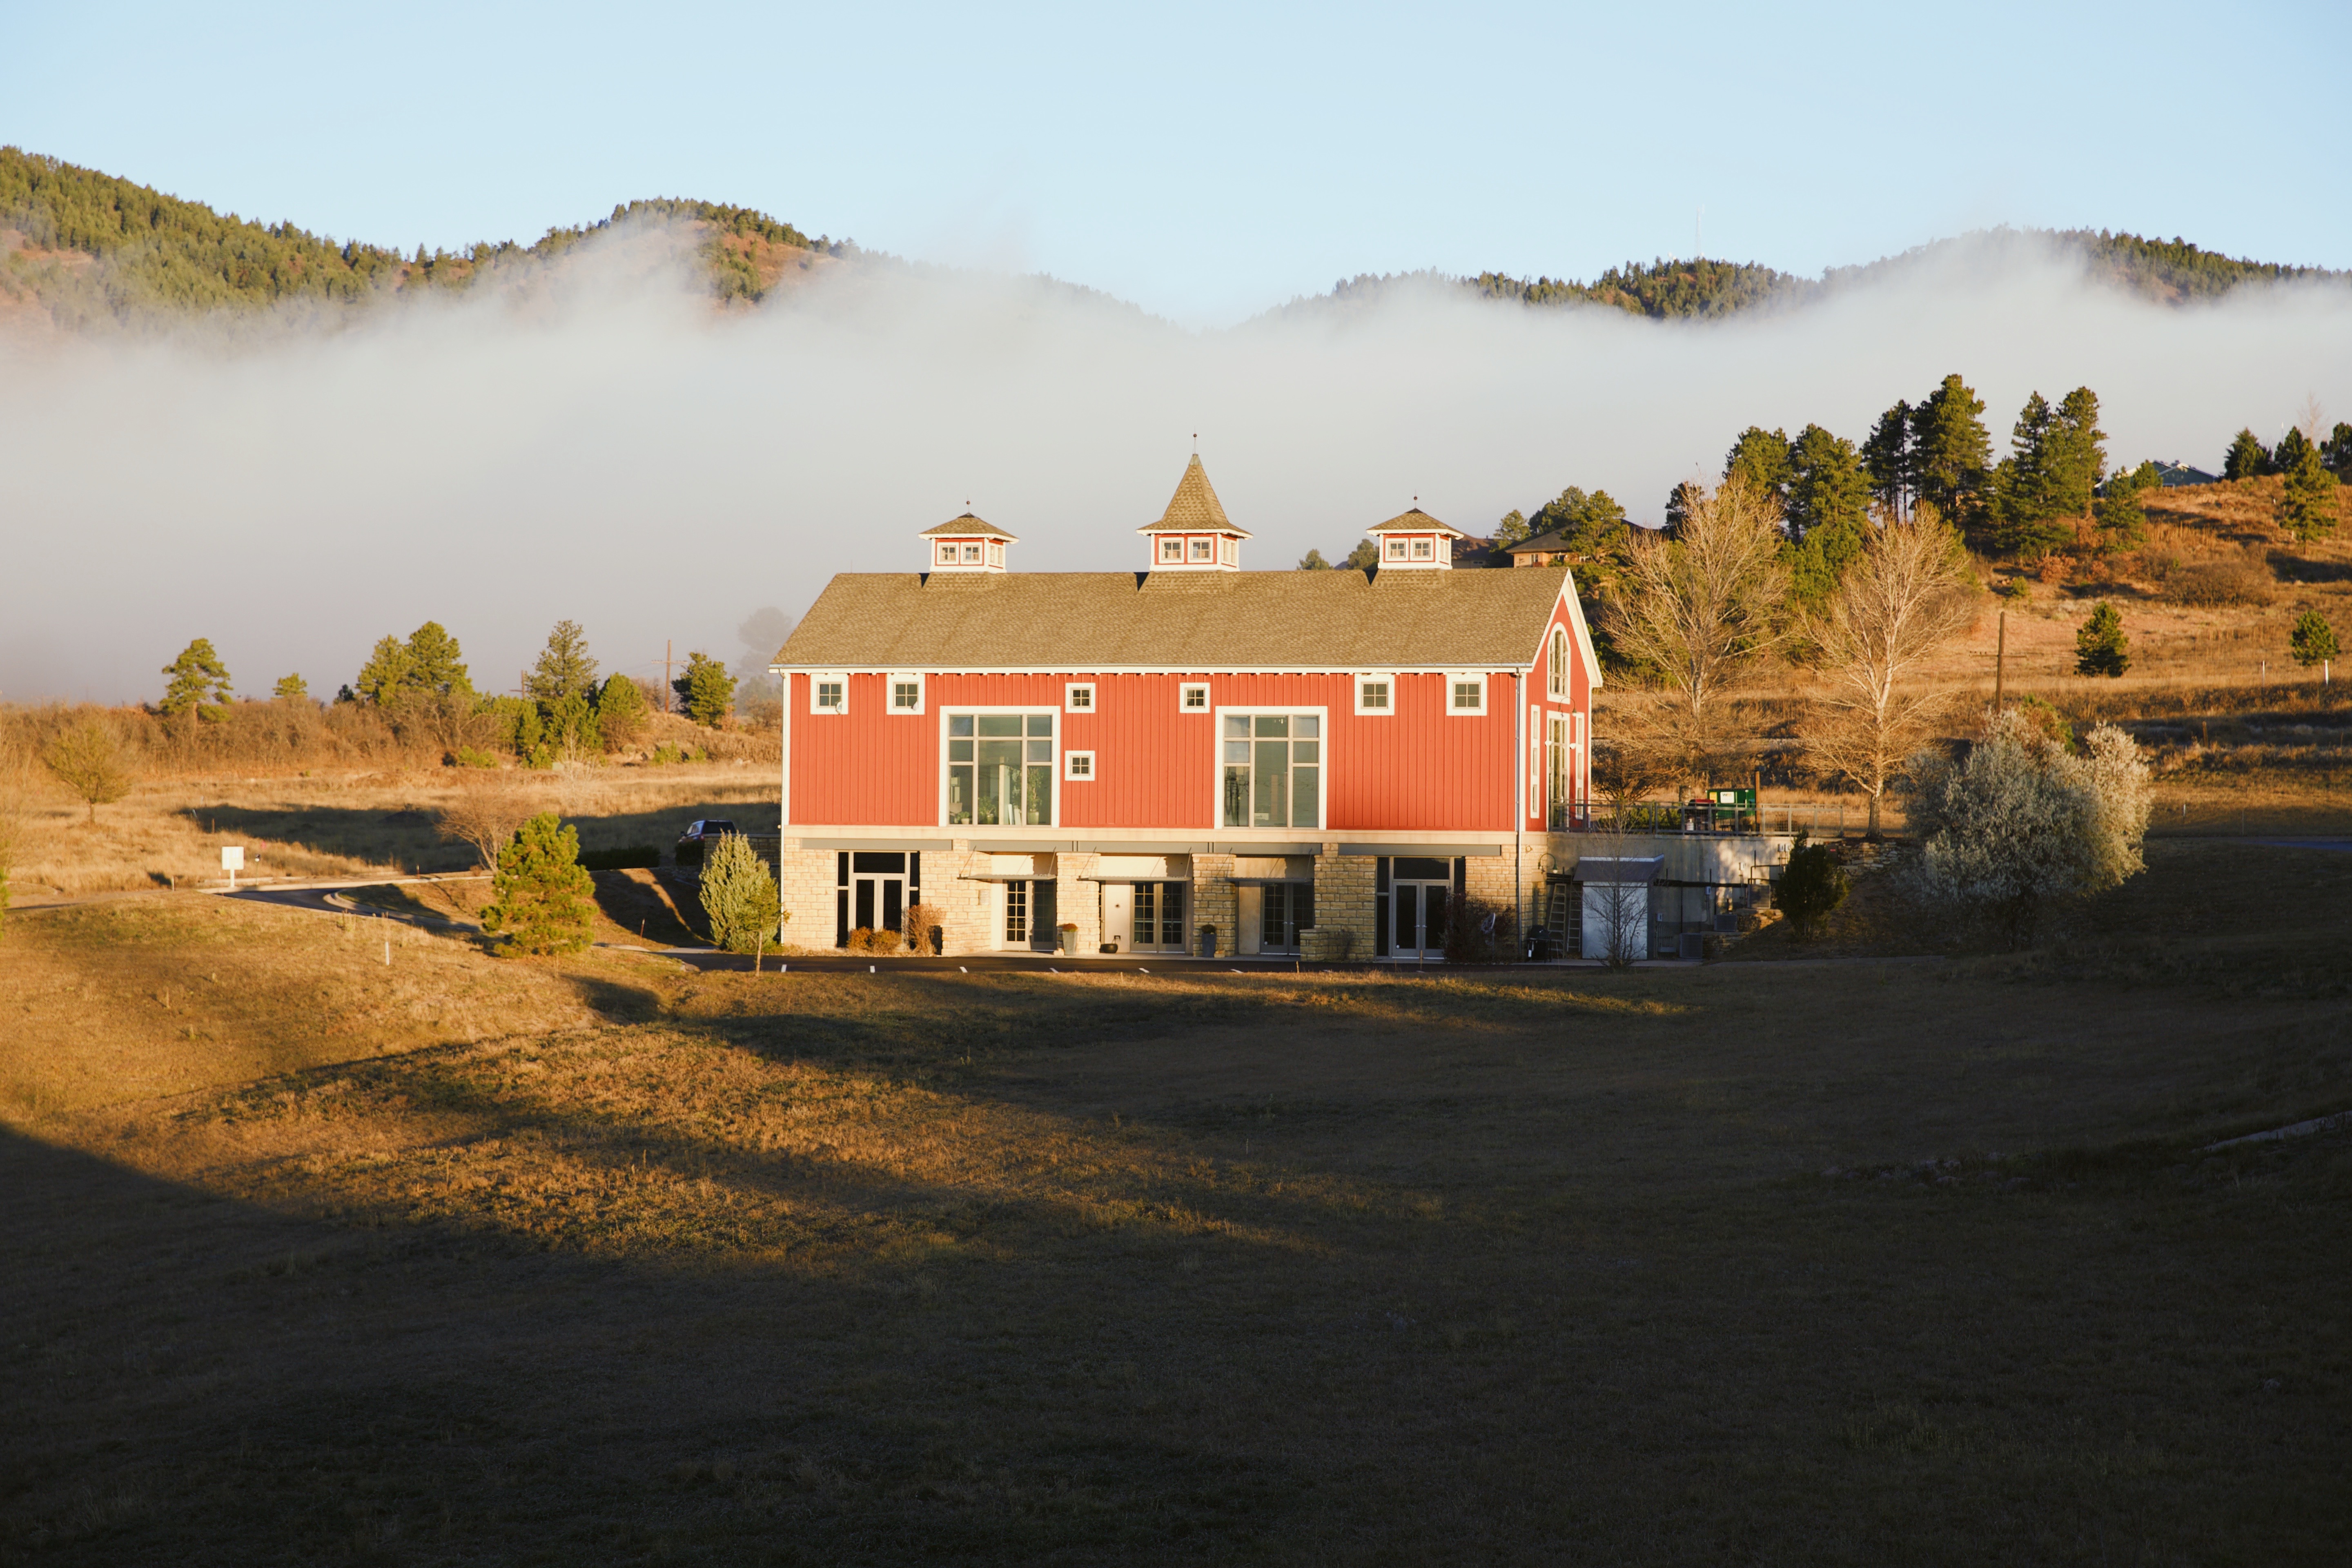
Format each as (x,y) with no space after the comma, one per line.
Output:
(1207,162)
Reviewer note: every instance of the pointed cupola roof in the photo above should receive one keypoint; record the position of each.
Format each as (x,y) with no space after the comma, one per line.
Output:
(1194,508)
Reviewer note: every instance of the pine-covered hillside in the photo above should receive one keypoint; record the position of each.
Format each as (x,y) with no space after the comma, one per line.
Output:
(88,248)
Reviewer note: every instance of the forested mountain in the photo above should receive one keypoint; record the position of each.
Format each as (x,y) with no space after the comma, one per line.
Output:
(90,247)
(2172,271)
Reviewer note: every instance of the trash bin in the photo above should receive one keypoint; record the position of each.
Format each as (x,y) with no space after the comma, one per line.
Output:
(1208,942)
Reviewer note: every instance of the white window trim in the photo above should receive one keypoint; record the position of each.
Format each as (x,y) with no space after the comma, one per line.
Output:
(948,554)
(1425,549)
(1184,690)
(1071,772)
(890,692)
(948,711)
(1557,676)
(1470,677)
(1201,552)
(1322,779)
(978,556)
(1357,684)
(1392,549)
(996,553)
(1069,697)
(817,682)
(1165,558)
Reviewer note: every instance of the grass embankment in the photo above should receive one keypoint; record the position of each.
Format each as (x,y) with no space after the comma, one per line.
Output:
(610,1261)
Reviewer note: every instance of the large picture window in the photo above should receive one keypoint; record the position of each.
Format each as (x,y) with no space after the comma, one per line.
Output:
(1274,770)
(1001,769)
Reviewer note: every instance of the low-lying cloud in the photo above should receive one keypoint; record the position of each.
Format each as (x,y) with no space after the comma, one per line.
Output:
(603,446)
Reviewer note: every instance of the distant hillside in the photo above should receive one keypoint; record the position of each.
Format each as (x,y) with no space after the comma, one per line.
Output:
(88,248)
(2173,271)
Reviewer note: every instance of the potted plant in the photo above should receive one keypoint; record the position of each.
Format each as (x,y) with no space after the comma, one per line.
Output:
(1069,939)
(1208,942)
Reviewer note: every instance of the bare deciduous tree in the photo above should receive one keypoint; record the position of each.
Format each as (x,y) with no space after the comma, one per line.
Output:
(88,759)
(1898,603)
(489,811)
(1700,610)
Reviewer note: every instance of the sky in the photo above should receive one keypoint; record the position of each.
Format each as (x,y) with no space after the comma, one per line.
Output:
(1208,160)
(596,443)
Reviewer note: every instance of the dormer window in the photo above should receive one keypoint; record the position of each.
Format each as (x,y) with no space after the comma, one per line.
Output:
(1172,550)
(1422,551)
(1204,550)
(968,543)
(971,554)
(995,553)
(1194,534)
(1396,548)
(946,554)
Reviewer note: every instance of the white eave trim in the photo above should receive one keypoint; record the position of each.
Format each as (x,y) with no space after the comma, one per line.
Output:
(1584,633)
(1068,668)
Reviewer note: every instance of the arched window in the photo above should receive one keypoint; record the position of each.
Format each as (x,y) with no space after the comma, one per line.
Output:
(1557,675)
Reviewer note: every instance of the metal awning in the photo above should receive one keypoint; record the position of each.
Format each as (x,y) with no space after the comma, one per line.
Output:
(1005,877)
(1619,870)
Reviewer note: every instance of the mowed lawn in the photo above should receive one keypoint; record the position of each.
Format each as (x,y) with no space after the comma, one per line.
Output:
(311,1258)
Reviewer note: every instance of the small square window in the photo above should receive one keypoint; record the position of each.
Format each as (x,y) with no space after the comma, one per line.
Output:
(971,554)
(995,553)
(1204,550)
(906,693)
(946,554)
(1172,550)
(1465,692)
(1376,694)
(829,694)
(1422,551)
(1078,697)
(1192,697)
(1078,767)
(1396,548)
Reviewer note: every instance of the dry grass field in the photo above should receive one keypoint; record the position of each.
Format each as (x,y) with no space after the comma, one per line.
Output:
(170,831)
(316,1259)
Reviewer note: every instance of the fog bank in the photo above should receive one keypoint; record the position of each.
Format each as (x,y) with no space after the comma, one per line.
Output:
(607,448)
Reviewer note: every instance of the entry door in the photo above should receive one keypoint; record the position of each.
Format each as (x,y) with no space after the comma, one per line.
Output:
(1118,916)
(1417,913)
(1158,917)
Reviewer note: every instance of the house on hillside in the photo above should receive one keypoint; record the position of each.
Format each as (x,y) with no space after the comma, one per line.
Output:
(1190,745)
(1544,550)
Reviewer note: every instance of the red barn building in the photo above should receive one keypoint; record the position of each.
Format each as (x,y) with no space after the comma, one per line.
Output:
(1188,757)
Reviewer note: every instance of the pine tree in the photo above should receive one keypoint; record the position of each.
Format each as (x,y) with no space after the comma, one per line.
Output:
(2307,504)
(542,898)
(2122,517)
(1762,457)
(1811,885)
(739,895)
(1512,530)
(2075,459)
(1949,449)
(388,675)
(564,669)
(620,711)
(1887,456)
(200,683)
(2313,639)
(435,662)
(1828,487)
(2026,487)
(2336,450)
(708,690)
(291,688)
(2247,458)
(1313,562)
(2100,647)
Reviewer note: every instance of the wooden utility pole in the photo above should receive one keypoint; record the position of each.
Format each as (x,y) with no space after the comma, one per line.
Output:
(1999,658)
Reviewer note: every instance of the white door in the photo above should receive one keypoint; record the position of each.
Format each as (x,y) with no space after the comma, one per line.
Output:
(1118,916)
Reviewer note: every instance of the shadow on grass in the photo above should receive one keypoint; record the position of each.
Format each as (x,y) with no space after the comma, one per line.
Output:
(370,1391)
(407,837)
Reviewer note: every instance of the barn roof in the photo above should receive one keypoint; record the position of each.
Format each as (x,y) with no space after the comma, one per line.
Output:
(1415,521)
(1187,621)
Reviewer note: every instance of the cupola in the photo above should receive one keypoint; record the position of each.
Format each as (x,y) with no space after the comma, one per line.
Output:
(1194,534)
(1414,541)
(967,544)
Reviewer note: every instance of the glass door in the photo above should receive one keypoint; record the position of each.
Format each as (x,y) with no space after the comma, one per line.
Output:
(1420,890)
(878,891)
(1156,918)
(1285,909)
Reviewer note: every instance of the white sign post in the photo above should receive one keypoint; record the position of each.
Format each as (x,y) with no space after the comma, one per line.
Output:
(232,862)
